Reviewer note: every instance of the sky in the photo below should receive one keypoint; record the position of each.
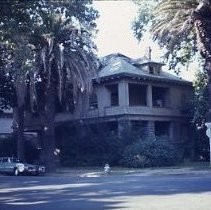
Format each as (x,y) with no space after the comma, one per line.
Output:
(115,30)
(115,33)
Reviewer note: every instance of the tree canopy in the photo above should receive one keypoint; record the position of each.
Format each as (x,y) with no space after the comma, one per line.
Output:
(49,54)
(173,25)
(28,27)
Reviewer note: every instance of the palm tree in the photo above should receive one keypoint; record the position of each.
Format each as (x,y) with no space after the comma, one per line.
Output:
(64,58)
(50,53)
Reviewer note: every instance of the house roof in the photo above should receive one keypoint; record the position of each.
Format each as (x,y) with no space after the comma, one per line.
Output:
(118,64)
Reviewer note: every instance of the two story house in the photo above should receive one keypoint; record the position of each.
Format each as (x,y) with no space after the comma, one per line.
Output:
(135,94)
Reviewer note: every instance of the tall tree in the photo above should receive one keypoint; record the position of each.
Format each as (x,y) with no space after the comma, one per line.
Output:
(182,27)
(64,57)
(7,90)
(15,22)
(52,53)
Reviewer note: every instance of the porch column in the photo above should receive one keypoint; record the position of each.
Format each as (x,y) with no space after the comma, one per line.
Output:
(124,126)
(171,131)
(149,95)
(123,93)
(151,130)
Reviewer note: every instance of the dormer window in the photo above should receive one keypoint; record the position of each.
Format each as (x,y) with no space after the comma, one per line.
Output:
(154,70)
(158,70)
(151,70)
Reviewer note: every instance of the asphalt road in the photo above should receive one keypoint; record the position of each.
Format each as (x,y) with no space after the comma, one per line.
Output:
(134,191)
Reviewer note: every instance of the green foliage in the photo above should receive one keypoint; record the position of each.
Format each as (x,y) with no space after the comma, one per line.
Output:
(200,99)
(199,117)
(88,147)
(149,153)
(145,15)
(96,146)
(170,25)
(7,93)
(47,47)
(7,146)
(50,36)
(201,147)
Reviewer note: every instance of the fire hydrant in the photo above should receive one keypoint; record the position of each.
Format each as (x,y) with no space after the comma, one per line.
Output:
(107,169)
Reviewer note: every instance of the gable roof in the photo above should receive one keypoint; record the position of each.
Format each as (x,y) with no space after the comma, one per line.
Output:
(118,64)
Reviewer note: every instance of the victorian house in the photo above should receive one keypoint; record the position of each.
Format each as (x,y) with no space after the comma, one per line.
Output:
(135,94)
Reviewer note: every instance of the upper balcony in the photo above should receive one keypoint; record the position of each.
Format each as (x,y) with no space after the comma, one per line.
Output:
(113,111)
(125,98)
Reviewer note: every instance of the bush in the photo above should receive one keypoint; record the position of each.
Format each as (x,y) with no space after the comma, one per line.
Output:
(7,146)
(93,148)
(149,153)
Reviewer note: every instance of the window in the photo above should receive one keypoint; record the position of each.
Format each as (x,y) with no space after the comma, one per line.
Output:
(114,99)
(160,96)
(151,69)
(162,129)
(137,95)
(114,94)
(154,69)
(93,101)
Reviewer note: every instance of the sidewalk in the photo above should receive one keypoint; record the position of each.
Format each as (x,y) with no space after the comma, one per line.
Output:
(98,172)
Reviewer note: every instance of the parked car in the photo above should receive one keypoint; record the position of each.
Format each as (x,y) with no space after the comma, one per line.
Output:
(11,165)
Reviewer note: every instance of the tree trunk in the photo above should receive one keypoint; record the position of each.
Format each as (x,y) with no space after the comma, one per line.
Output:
(18,119)
(18,126)
(208,69)
(48,155)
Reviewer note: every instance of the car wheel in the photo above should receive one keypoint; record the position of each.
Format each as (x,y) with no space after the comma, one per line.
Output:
(16,172)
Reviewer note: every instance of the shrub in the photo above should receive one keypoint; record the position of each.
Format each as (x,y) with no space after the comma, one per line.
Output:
(94,148)
(7,146)
(149,153)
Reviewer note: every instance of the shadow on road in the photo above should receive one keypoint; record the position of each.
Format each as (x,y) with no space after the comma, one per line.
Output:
(106,192)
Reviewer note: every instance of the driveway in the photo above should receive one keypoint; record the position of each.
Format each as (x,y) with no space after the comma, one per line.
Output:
(93,190)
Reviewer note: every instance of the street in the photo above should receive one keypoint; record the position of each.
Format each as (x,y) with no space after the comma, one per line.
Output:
(133,191)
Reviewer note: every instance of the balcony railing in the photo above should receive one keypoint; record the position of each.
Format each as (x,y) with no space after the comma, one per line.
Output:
(111,111)
(142,110)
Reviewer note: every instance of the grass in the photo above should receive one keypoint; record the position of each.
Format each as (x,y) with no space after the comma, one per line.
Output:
(195,164)
(182,168)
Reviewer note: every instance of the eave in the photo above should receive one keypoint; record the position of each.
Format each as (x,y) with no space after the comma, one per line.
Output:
(143,78)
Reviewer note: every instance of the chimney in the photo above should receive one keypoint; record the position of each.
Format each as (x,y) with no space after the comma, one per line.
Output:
(149,53)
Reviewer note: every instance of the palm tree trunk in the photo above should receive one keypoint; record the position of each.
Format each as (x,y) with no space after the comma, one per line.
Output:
(18,126)
(18,118)
(48,138)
